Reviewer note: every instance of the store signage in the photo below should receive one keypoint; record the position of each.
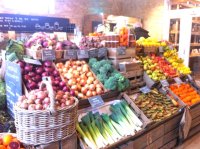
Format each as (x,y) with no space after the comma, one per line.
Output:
(93,53)
(48,55)
(102,53)
(145,90)
(13,79)
(164,83)
(190,77)
(70,54)
(26,23)
(121,51)
(96,101)
(178,80)
(32,61)
(82,54)
(161,50)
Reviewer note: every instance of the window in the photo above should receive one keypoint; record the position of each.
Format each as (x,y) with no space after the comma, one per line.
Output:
(30,6)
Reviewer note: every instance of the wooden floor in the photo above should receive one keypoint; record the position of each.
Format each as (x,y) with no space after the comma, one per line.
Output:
(192,143)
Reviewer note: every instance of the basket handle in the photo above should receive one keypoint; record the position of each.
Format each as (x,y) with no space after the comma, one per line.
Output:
(47,81)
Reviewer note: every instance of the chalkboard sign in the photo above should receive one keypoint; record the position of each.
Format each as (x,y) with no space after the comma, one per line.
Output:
(121,51)
(48,55)
(70,54)
(102,53)
(13,81)
(93,53)
(82,54)
(96,101)
(26,23)
(164,83)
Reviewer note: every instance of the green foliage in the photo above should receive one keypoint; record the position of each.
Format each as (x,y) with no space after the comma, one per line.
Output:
(111,83)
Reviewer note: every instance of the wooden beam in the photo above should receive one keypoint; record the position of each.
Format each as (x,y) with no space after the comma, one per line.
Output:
(184,1)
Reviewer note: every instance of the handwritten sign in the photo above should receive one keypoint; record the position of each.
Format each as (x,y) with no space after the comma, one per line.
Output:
(27,23)
(70,54)
(93,53)
(82,54)
(96,101)
(164,83)
(102,53)
(13,81)
(48,55)
(145,90)
(178,80)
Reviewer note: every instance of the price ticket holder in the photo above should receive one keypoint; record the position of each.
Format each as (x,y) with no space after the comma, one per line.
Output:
(96,101)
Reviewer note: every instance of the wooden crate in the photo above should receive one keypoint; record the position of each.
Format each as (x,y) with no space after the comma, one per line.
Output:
(70,142)
(129,66)
(148,50)
(116,62)
(117,53)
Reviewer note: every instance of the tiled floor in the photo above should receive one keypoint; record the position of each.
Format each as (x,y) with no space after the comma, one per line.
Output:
(192,143)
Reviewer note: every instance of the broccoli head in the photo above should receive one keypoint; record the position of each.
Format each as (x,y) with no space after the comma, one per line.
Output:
(103,62)
(102,78)
(122,85)
(105,69)
(92,61)
(96,66)
(111,83)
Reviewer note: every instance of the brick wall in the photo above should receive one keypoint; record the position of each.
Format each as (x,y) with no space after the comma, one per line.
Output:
(151,11)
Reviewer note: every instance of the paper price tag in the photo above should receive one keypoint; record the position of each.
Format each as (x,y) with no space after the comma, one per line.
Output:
(32,61)
(96,101)
(164,83)
(178,80)
(190,77)
(48,55)
(121,51)
(145,90)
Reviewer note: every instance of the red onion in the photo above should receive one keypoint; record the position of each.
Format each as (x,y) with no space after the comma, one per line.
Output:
(58,78)
(21,64)
(31,85)
(66,89)
(45,44)
(31,74)
(56,82)
(39,70)
(48,63)
(62,84)
(26,77)
(28,68)
(55,73)
(48,69)
(44,74)
(38,78)
(22,70)
(72,93)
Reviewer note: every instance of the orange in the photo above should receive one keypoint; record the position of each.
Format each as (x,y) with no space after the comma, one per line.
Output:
(2,147)
(7,139)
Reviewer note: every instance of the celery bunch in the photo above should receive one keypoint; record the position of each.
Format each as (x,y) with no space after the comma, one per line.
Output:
(98,131)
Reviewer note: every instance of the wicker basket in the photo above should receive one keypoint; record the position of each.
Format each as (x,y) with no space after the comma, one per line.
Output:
(45,126)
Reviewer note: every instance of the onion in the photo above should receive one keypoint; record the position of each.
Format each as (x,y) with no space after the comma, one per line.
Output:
(68,103)
(38,101)
(26,77)
(38,78)
(38,107)
(84,90)
(89,74)
(63,105)
(80,95)
(72,93)
(31,85)
(74,87)
(41,94)
(56,82)
(99,90)
(58,79)
(30,101)
(94,93)
(44,74)
(58,97)
(32,97)
(66,89)
(45,106)
(62,84)
(82,82)
(21,98)
(24,105)
(45,44)
(48,63)
(46,100)
(21,64)
(55,73)
(31,107)
(31,74)
(89,93)
(48,69)
(92,87)
(28,68)
(39,70)
(89,82)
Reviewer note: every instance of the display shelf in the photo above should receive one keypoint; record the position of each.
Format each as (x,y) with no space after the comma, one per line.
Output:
(195,44)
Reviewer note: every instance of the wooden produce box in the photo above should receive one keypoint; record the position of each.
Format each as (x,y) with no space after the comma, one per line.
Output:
(67,143)
(148,50)
(121,52)
(105,109)
(129,66)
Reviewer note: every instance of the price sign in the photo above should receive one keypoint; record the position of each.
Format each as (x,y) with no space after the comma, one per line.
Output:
(145,90)
(70,54)
(178,80)
(164,83)
(102,53)
(32,61)
(96,101)
(48,55)
(82,54)
(121,51)
(161,49)
(13,79)
(93,53)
